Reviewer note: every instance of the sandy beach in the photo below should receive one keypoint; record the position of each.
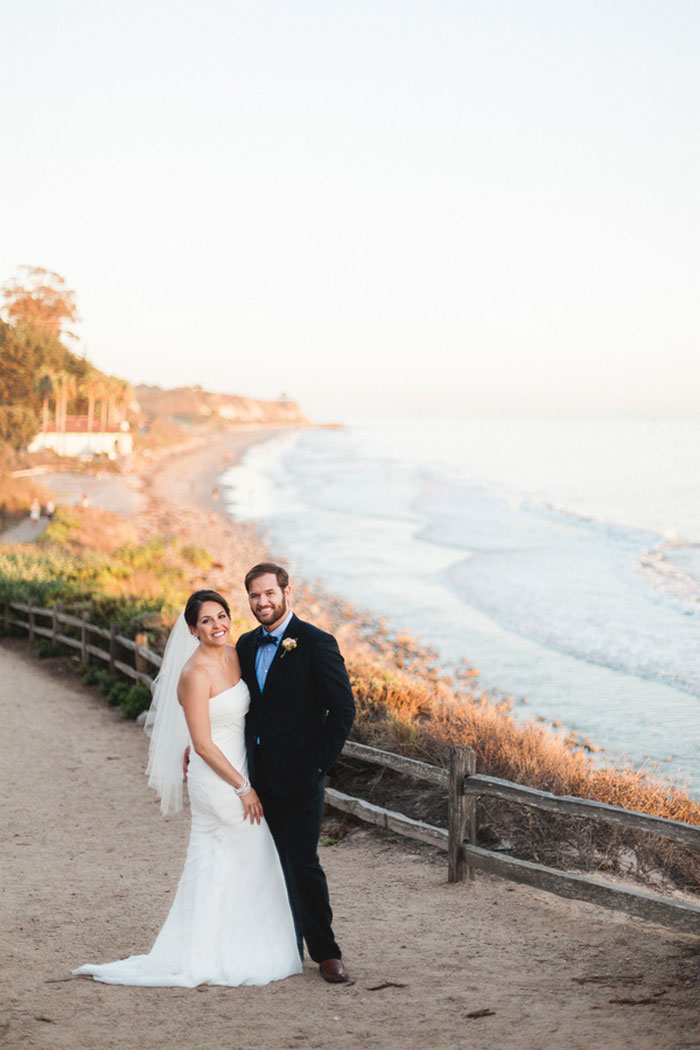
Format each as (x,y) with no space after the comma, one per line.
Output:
(184,475)
(90,868)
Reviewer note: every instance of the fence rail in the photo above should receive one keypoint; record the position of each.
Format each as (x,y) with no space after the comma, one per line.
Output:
(674,830)
(464,786)
(461,783)
(143,657)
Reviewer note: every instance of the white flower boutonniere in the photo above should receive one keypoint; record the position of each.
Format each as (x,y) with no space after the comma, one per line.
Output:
(287,645)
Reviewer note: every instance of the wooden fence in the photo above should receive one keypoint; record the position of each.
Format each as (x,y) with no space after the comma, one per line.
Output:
(97,643)
(463,786)
(460,782)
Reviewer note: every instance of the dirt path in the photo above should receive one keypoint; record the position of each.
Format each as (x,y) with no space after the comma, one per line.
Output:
(90,868)
(24,531)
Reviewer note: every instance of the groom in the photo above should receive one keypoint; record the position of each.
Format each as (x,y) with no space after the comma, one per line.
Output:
(301,711)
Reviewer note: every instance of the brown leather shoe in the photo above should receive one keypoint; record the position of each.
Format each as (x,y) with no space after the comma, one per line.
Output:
(333,971)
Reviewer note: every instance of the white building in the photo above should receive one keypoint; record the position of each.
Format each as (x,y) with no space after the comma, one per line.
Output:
(77,440)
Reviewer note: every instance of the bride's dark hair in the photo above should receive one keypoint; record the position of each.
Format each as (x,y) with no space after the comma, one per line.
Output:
(197,600)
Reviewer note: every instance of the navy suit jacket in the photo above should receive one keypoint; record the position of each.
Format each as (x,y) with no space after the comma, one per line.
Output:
(303,715)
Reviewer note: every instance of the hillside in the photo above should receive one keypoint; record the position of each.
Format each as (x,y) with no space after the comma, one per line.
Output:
(191,404)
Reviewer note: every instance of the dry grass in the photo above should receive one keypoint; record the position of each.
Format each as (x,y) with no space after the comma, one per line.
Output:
(424,715)
(90,529)
(16,494)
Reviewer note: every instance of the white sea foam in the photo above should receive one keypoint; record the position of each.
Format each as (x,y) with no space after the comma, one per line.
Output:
(539,551)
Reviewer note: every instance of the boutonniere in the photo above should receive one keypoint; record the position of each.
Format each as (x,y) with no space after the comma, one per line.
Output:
(287,645)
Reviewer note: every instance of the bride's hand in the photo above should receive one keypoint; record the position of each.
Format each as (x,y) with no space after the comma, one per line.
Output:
(252,806)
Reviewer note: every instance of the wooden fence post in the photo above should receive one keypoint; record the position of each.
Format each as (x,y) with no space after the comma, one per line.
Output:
(461,813)
(54,622)
(30,617)
(140,663)
(7,617)
(113,632)
(84,654)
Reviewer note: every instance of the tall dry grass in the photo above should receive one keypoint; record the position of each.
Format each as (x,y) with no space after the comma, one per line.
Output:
(424,715)
(16,495)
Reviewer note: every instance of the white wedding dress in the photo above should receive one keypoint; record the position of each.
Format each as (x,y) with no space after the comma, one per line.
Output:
(230,922)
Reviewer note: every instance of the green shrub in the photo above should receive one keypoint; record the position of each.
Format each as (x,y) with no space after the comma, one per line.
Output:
(63,523)
(132,698)
(200,558)
(103,680)
(11,631)
(137,699)
(117,693)
(91,675)
(18,425)
(46,649)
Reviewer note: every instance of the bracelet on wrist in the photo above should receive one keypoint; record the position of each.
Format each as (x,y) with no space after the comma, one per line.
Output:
(244,788)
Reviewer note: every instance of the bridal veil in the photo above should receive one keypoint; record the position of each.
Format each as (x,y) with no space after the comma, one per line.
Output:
(165,721)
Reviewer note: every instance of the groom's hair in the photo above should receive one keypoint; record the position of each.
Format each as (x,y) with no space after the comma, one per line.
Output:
(197,600)
(262,569)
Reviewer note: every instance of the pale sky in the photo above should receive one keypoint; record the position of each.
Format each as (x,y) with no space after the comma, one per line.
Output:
(375,206)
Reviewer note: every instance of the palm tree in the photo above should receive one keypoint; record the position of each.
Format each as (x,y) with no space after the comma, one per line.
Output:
(118,393)
(45,386)
(125,395)
(66,385)
(92,388)
(104,393)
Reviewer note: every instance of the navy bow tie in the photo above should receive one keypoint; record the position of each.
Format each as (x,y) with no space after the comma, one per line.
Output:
(265,639)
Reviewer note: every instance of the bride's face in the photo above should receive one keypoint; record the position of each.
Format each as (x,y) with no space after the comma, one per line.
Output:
(213,625)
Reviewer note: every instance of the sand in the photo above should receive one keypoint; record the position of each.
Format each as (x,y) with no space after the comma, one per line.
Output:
(90,867)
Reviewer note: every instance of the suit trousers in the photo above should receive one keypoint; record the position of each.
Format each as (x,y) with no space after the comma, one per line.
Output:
(295,824)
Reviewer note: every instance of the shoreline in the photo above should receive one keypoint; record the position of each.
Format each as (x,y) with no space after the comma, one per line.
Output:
(171,485)
(178,485)
(174,495)
(189,475)
(564,687)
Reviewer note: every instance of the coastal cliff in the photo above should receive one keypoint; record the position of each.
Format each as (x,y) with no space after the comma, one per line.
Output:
(192,404)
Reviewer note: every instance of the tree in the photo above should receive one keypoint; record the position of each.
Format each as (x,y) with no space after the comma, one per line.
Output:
(44,385)
(18,425)
(39,299)
(18,361)
(116,395)
(122,393)
(66,385)
(92,390)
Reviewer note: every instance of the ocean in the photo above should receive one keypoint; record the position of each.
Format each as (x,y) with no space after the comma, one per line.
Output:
(561,559)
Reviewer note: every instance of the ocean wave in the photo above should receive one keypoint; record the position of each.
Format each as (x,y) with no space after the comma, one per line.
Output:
(525,549)
(589,606)
(610,594)
(673,567)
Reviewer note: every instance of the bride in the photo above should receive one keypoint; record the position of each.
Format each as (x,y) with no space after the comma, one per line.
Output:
(230,922)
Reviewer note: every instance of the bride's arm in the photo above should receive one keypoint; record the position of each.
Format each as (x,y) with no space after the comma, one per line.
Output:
(193,694)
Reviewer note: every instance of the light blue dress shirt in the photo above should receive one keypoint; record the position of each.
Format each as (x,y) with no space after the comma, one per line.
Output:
(265,654)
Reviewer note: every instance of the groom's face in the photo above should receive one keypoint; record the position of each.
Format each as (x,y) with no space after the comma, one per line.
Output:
(268,602)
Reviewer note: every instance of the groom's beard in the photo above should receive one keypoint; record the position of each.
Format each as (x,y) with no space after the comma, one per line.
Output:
(272,614)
